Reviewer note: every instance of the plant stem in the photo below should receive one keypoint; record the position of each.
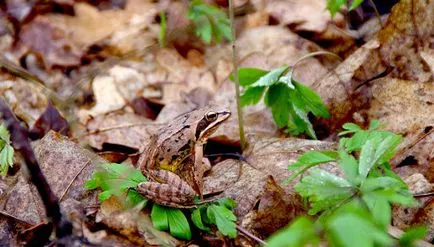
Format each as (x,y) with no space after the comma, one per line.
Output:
(376,12)
(237,83)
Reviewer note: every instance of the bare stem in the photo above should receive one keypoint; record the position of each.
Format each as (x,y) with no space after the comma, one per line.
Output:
(376,12)
(237,83)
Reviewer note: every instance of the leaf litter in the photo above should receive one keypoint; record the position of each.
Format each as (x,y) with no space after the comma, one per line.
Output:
(388,78)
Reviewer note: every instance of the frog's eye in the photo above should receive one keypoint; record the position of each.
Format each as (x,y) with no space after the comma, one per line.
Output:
(211,116)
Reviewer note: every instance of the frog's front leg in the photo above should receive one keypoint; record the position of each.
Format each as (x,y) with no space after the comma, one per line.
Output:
(168,189)
(200,167)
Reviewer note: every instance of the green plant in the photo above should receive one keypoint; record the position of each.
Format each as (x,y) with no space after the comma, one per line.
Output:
(354,209)
(335,5)
(6,151)
(163,29)
(210,22)
(289,100)
(121,180)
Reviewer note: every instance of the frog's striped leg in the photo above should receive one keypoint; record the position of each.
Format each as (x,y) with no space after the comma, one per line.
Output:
(171,190)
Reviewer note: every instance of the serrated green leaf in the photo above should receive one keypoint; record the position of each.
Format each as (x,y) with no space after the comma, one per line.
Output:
(6,159)
(323,189)
(104,195)
(350,167)
(367,159)
(224,219)
(409,238)
(251,96)
(379,208)
(314,157)
(301,232)
(4,134)
(248,76)
(178,223)
(356,142)
(351,230)
(309,100)
(307,126)
(134,198)
(372,184)
(210,22)
(374,125)
(335,5)
(276,98)
(355,4)
(351,126)
(196,217)
(309,160)
(229,203)
(271,77)
(159,217)
(204,29)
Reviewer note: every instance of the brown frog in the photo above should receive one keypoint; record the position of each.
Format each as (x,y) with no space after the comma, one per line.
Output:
(173,161)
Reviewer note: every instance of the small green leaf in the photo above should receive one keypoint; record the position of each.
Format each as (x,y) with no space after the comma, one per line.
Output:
(224,219)
(409,238)
(178,223)
(196,217)
(4,133)
(204,29)
(104,195)
(335,5)
(248,76)
(163,27)
(313,158)
(351,126)
(134,198)
(310,100)
(276,98)
(251,96)
(352,225)
(380,209)
(367,159)
(355,4)
(374,125)
(159,217)
(271,77)
(350,167)
(301,232)
(323,189)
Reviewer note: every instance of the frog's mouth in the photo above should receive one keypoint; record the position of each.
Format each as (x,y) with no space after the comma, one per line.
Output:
(212,127)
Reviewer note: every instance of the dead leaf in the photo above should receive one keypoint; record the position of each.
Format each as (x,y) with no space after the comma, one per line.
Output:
(120,128)
(50,120)
(51,42)
(60,158)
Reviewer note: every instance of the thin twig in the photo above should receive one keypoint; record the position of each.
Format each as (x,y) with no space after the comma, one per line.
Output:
(20,142)
(237,82)
(250,235)
(72,181)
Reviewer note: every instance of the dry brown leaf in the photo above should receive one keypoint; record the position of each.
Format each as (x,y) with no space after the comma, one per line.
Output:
(51,42)
(120,128)
(67,167)
(27,100)
(307,15)
(266,156)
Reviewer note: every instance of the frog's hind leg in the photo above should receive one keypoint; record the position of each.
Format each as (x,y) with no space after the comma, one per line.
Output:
(169,190)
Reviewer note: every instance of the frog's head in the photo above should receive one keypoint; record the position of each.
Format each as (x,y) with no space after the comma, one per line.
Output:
(209,123)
